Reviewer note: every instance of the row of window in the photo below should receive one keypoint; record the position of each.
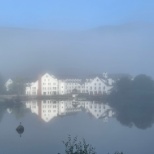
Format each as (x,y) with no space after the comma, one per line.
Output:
(49,84)
(49,92)
(44,111)
(49,106)
(49,88)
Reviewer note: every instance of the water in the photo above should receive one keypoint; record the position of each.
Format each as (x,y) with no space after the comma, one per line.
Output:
(48,123)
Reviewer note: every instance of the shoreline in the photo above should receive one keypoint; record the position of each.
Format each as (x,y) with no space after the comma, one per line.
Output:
(56,97)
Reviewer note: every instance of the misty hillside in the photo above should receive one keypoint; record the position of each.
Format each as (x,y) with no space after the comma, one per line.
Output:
(120,48)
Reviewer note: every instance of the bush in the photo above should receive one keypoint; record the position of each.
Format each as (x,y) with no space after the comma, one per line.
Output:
(73,146)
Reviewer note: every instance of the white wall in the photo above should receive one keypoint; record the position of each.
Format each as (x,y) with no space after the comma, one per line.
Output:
(51,86)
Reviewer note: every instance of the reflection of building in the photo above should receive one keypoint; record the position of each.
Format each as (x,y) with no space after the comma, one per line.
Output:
(99,110)
(48,109)
(50,85)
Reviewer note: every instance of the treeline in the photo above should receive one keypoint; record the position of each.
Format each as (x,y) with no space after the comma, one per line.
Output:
(16,88)
(132,99)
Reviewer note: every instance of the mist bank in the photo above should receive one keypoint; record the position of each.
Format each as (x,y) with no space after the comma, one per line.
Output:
(126,48)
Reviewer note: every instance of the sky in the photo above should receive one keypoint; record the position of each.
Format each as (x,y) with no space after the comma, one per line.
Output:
(73,14)
(76,36)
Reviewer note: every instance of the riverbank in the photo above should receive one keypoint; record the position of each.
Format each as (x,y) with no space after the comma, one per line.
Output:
(55,97)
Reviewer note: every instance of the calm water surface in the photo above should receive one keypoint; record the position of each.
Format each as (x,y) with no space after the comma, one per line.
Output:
(48,123)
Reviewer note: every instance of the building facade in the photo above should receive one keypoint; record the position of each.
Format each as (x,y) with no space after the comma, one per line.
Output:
(50,85)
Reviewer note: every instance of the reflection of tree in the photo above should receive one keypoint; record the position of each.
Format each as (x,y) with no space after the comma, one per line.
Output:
(17,108)
(2,110)
(133,101)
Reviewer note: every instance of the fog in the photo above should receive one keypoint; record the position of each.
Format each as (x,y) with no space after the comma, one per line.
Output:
(126,48)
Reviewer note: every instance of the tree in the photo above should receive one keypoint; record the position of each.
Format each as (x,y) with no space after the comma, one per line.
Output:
(18,86)
(2,85)
(133,101)
(75,147)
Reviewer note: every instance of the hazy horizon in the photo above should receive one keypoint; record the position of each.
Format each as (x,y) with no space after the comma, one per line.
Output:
(76,37)
(115,49)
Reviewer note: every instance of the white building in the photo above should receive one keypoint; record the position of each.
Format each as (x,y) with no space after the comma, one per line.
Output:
(74,85)
(32,88)
(50,85)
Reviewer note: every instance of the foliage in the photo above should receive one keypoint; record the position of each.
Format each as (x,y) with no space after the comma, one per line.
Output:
(133,101)
(17,87)
(72,146)
(2,85)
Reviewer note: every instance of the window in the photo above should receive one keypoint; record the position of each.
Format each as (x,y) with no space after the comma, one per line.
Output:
(54,106)
(33,93)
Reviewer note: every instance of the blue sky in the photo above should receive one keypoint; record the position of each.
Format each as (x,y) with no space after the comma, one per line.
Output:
(73,14)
